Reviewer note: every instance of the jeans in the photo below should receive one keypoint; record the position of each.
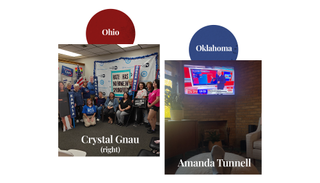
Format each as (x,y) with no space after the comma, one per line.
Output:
(99,109)
(121,115)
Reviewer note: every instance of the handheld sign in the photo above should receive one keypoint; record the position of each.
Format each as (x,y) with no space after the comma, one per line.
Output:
(136,74)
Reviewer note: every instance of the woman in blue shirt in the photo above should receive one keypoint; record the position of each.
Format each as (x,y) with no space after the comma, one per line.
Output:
(85,92)
(89,111)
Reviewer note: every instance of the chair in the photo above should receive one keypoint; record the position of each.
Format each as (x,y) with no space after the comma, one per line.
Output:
(254,143)
(153,146)
(71,152)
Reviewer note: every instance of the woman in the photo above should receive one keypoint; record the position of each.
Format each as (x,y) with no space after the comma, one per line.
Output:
(149,90)
(149,87)
(89,112)
(78,102)
(85,92)
(69,86)
(64,108)
(110,105)
(141,93)
(100,102)
(153,104)
(124,108)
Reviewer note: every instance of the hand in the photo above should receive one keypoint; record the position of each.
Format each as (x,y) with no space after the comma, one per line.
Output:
(149,105)
(75,104)
(218,82)
(95,97)
(60,100)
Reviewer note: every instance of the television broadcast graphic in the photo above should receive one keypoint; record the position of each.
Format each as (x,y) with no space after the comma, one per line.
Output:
(208,80)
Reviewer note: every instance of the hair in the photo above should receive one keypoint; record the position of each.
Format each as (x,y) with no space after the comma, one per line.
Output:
(69,84)
(76,85)
(144,85)
(149,83)
(59,84)
(101,92)
(127,95)
(130,80)
(158,83)
(85,82)
(113,95)
(90,100)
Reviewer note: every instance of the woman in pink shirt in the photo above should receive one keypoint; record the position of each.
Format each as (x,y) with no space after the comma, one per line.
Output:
(153,104)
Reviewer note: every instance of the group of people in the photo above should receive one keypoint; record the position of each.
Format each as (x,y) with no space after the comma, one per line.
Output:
(89,113)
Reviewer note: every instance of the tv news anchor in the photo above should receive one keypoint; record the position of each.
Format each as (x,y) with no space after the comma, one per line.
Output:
(154,104)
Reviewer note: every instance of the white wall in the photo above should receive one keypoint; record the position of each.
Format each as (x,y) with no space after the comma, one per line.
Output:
(90,61)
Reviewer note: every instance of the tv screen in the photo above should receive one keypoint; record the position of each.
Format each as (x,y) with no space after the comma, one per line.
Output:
(208,80)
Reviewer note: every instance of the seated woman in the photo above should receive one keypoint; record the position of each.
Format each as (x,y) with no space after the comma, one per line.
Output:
(89,112)
(142,93)
(110,105)
(100,102)
(125,106)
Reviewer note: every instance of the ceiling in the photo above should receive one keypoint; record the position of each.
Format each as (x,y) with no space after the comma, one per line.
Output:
(93,50)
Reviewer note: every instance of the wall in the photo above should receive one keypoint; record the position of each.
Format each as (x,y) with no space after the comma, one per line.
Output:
(90,61)
(240,110)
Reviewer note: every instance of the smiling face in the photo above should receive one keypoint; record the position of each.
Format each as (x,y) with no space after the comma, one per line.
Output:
(91,79)
(141,86)
(125,96)
(111,95)
(89,102)
(61,86)
(155,84)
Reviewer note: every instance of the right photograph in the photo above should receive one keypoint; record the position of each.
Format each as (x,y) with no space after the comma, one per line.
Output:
(213,117)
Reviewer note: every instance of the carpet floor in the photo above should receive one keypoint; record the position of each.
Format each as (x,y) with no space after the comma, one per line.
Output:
(72,139)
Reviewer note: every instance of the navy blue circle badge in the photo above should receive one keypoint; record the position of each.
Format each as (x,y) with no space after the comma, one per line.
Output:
(213,42)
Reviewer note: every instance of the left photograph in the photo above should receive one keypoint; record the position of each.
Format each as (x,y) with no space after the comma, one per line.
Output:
(108,100)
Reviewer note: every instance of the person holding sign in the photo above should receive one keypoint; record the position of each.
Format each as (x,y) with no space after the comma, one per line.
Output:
(89,111)
(124,108)
(153,104)
(64,108)
(110,105)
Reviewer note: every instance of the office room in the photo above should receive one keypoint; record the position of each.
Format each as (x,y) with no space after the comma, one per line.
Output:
(108,100)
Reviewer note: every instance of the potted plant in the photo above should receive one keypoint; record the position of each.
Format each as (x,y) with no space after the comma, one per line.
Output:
(175,102)
(214,139)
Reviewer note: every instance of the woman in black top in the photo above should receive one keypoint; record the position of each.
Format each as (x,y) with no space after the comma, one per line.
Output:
(64,110)
(125,106)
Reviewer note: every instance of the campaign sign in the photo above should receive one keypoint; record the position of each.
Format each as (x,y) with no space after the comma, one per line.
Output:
(71,103)
(136,73)
(67,71)
(95,83)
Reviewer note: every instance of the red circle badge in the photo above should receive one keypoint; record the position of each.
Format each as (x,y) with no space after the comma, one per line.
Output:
(110,26)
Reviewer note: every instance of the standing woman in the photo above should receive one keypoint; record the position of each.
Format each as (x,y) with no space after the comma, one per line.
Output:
(153,104)
(141,93)
(89,112)
(125,106)
(110,105)
(149,90)
(85,92)
(64,109)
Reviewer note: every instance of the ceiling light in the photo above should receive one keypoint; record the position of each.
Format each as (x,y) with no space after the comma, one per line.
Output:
(125,45)
(69,53)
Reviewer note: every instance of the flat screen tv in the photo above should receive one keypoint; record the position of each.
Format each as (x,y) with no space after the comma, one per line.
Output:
(208,80)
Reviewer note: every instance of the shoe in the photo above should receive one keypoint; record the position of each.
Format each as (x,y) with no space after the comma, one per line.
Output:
(98,119)
(151,131)
(81,120)
(77,121)
(135,124)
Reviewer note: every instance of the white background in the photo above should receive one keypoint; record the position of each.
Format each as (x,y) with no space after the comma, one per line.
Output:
(283,34)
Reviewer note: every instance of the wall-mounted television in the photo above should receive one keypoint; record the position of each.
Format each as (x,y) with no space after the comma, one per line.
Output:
(209,80)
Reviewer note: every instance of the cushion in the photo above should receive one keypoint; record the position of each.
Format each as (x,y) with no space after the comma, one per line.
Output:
(257,144)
